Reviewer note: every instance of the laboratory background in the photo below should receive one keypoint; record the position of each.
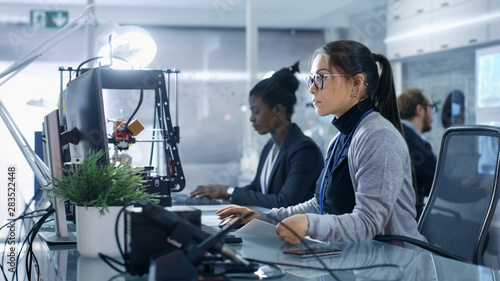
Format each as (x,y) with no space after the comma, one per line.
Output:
(221,48)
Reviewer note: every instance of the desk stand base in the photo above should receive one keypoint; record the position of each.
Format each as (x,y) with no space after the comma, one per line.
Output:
(52,238)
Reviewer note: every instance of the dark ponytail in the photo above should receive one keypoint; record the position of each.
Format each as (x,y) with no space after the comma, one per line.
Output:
(385,96)
(353,58)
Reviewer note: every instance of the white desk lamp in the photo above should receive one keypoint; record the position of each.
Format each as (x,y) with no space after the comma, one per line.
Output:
(42,173)
(132,43)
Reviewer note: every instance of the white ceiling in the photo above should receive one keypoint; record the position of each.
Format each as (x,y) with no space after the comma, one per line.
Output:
(296,14)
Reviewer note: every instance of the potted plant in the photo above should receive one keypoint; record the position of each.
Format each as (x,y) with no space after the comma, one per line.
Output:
(99,190)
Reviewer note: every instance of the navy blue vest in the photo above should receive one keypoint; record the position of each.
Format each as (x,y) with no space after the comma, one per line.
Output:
(339,193)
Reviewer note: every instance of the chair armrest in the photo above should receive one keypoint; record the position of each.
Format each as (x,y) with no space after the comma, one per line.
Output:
(422,244)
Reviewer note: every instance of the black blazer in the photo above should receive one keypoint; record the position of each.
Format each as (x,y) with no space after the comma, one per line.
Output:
(294,175)
(424,162)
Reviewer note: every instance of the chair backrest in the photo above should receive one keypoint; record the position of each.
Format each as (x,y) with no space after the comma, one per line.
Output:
(464,191)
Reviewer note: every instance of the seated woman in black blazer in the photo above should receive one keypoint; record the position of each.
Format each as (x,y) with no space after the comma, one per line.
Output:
(290,162)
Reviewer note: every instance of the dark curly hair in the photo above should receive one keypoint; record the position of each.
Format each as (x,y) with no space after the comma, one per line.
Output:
(279,89)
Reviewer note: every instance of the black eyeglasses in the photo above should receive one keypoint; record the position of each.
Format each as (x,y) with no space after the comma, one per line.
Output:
(433,107)
(319,79)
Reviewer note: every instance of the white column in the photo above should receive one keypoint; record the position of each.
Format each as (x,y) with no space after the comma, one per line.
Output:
(250,158)
(252,37)
(397,73)
(90,51)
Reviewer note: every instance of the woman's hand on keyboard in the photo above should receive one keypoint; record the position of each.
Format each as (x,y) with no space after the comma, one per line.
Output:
(213,191)
(236,211)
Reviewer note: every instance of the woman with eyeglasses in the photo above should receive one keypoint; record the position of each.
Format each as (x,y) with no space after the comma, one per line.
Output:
(366,187)
(290,162)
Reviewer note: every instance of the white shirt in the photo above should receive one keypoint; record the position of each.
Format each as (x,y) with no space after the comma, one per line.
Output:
(268,168)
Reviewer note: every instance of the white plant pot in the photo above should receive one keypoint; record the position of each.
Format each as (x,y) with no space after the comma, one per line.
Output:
(96,234)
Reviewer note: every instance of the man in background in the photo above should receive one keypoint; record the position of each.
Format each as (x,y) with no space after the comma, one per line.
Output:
(417,111)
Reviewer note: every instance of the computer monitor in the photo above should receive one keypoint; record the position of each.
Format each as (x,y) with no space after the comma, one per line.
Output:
(53,159)
(83,109)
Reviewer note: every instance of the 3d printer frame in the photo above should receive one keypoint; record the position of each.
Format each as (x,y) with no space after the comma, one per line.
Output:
(171,178)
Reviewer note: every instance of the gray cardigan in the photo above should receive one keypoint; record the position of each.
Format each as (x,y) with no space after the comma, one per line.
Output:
(380,170)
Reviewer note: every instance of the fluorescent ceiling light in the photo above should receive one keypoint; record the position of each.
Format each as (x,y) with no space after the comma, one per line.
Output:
(442,27)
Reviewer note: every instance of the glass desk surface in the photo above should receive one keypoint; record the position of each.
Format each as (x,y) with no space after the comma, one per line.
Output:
(366,260)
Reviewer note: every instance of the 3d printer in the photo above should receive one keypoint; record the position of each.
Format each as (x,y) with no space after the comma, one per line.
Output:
(84,123)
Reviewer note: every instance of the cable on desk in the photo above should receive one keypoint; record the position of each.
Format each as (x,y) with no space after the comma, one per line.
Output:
(303,242)
(399,268)
(3,272)
(21,217)
(281,271)
(33,232)
(325,267)
(108,259)
(125,277)
(30,255)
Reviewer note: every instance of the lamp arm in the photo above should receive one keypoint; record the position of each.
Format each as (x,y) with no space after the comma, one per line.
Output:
(40,169)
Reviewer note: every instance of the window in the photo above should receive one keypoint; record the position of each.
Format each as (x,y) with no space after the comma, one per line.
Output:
(488,86)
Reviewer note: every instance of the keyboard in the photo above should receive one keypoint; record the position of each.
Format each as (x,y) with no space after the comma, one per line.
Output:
(186,200)
(228,237)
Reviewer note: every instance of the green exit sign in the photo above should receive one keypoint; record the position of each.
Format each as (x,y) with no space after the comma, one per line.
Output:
(45,18)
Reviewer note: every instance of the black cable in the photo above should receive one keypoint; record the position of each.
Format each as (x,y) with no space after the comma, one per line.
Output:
(339,269)
(273,265)
(30,255)
(25,216)
(324,266)
(427,246)
(98,58)
(22,216)
(141,96)
(3,272)
(19,239)
(303,242)
(117,237)
(27,206)
(33,232)
(108,259)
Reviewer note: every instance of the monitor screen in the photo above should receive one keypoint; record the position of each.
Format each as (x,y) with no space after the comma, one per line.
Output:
(83,109)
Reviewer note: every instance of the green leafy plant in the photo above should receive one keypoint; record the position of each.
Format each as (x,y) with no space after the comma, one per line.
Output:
(95,184)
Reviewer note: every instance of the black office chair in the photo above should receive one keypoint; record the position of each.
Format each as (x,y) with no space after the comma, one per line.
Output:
(464,195)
